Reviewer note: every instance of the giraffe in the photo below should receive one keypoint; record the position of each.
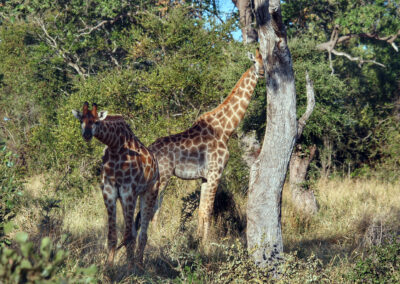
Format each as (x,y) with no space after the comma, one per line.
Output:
(202,150)
(129,170)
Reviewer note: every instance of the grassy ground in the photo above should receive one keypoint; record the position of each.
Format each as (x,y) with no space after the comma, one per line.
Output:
(353,216)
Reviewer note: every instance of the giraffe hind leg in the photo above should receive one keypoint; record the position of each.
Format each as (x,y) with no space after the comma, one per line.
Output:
(147,203)
(157,207)
(128,205)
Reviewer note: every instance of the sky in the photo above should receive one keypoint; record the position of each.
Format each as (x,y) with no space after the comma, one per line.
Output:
(228,7)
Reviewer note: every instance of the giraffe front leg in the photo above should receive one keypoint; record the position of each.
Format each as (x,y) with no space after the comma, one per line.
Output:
(110,201)
(207,197)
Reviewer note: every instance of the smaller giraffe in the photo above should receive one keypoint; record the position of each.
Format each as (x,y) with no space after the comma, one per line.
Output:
(129,170)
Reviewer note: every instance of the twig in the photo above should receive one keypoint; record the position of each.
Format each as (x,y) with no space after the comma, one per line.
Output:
(359,59)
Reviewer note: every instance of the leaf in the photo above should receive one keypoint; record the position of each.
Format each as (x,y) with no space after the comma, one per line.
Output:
(45,247)
(25,264)
(8,227)
(21,237)
(26,248)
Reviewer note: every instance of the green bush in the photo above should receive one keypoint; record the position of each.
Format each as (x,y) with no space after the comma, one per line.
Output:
(380,265)
(10,190)
(24,264)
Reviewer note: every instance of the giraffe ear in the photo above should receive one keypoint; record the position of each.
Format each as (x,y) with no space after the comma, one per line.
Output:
(103,115)
(251,56)
(77,114)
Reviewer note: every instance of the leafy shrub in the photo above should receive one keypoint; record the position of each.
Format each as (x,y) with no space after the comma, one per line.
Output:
(23,264)
(10,189)
(380,265)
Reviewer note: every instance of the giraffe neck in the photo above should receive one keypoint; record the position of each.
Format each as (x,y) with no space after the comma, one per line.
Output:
(231,111)
(114,132)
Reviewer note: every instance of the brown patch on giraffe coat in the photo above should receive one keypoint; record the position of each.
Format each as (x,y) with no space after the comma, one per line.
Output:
(235,120)
(194,153)
(222,120)
(146,172)
(197,140)
(125,166)
(243,104)
(143,159)
(109,171)
(202,147)
(229,125)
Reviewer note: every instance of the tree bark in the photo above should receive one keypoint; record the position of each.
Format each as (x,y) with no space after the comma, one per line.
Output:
(246,19)
(267,176)
(303,200)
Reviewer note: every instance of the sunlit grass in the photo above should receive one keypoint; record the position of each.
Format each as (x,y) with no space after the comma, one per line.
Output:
(353,215)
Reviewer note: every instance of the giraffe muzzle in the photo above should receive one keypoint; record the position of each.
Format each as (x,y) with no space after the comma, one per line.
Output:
(87,135)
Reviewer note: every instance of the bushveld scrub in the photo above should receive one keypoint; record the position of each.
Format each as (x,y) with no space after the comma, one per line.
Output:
(351,236)
(161,66)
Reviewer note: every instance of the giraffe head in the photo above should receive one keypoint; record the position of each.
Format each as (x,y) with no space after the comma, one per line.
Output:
(89,120)
(258,62)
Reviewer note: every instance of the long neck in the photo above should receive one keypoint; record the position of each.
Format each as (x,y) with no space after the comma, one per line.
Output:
(231,111)
(113,132)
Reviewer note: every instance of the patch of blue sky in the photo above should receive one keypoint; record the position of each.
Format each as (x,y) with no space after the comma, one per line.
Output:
(227,8)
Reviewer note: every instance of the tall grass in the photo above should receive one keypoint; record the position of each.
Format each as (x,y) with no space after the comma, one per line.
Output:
(353,215)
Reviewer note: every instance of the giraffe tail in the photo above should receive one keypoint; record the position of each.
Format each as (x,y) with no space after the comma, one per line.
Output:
(137,221)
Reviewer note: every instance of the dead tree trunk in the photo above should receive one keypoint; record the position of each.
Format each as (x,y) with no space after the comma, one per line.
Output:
(246,19)
(267,176)
(303,200)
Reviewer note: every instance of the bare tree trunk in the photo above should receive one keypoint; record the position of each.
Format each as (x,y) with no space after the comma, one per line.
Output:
(267,176)
(246,19)
(303,200)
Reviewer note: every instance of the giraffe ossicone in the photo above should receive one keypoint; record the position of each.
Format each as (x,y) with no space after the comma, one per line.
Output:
(202,150)
(129,171)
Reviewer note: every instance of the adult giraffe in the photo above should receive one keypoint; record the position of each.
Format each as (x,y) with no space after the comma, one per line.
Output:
(129,170)
(202,150)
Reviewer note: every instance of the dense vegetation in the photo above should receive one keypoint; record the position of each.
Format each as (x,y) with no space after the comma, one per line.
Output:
(161,64)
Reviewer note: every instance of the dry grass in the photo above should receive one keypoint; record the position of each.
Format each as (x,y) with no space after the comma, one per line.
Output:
(353,214)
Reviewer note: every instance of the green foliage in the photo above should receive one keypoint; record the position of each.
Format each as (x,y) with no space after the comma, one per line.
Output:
(10,190)
(193,273)
(240,268)
(24,264)
(380,265)
(351,104)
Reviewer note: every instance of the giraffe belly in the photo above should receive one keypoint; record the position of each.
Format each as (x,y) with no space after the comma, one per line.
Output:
(189,171)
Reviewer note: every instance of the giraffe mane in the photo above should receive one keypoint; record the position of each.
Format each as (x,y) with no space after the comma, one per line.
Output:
(120,118)
(228,98)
